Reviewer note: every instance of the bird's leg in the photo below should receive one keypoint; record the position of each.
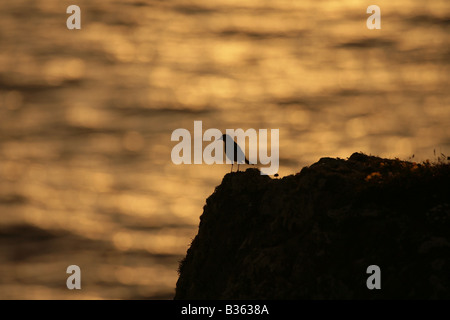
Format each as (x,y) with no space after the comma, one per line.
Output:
(231,167)
(238,167)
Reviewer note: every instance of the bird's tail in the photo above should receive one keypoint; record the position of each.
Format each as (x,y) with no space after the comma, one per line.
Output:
(248,162)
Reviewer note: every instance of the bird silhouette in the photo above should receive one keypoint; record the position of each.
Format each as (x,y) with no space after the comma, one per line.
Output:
(238,155)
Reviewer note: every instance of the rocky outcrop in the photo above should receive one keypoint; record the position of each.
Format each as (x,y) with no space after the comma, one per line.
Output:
(313,235)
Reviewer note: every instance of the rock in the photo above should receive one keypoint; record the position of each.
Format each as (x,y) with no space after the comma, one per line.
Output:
(312,235)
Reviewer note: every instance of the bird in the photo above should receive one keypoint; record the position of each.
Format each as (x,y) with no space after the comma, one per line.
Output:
(238,154)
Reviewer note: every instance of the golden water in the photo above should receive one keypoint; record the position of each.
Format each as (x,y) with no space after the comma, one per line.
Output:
(86,118)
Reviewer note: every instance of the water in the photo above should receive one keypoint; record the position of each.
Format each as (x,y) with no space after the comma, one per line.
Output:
(86,118)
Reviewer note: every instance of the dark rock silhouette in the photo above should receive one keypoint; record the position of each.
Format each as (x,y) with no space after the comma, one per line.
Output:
(312,235)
